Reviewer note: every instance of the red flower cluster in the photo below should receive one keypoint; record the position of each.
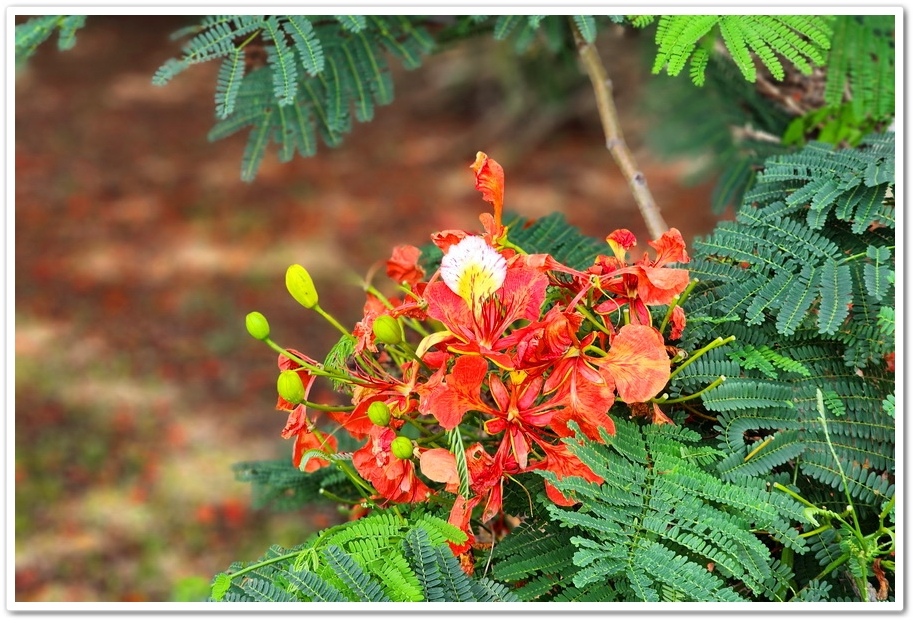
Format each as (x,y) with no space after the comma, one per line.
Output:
(481,368)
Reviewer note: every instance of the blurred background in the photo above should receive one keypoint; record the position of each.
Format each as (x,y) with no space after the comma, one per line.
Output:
(138,253)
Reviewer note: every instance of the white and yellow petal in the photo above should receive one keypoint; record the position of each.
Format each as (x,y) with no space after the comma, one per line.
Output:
(473,269)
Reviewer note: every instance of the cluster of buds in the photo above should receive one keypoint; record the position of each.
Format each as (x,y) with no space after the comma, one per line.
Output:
(463,380)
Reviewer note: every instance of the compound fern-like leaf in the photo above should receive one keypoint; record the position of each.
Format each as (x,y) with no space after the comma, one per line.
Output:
(836,296)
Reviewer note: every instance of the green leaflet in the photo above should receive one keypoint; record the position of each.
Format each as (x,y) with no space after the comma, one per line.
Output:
(862,59)
(801,40)
(382,557)
(36,30)
(319,73)
(652,527)
(228,83)
(836,296)
(306,42)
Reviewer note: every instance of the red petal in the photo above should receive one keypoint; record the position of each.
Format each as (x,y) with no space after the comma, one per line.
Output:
(523,292)
(438,464)
(561,461)
(446,238)
(448,308)
(638,363)
(678,322)
(670,248)
(459,394)
(659,286)
(658,416)
(313,441)
(295,422)
(490,181)
(402,266)
(460,517)
(556,497)
(621,241)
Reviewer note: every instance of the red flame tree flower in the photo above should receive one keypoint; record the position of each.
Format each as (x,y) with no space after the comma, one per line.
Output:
(466,379)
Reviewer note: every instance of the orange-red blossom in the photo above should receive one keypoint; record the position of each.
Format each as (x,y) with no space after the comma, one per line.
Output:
(511,355)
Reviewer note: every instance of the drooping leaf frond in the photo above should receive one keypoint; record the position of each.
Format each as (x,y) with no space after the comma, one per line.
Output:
(280,486)
(802,40)
(293,78)
(36,30)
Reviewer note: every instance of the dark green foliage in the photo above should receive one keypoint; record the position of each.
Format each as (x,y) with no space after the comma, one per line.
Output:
(862,60)
(294,78)
(382,557)
(279,486)
(802,40)
(650,531)
(36,30)
(553,235)
(818,226)
(523,31)
(538,556)
(785,240)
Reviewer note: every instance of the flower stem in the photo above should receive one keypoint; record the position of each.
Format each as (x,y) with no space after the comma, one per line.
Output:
(332,408)
(312,368)
(679,300)
(598,325)
(719,341)
(670,401)
(330,319)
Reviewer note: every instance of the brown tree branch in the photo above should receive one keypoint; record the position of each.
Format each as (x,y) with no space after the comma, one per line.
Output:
(604,96)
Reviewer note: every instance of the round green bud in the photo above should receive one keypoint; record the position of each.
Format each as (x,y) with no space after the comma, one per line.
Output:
(388,330)
(402,448)
(290,387)
(379,413)
(257,325)
(300,286)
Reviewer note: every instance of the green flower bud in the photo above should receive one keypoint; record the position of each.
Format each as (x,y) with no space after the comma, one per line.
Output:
(290,387)
(379,413)
(299,283)
(388,330)
(402,448)
(257,325)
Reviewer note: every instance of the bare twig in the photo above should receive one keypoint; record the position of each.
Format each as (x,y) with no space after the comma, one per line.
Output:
(748,132)
(604,96)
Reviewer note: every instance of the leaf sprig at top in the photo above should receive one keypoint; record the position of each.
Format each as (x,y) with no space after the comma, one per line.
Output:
(294,78)
(35,31)
(727,126)
(802,40)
